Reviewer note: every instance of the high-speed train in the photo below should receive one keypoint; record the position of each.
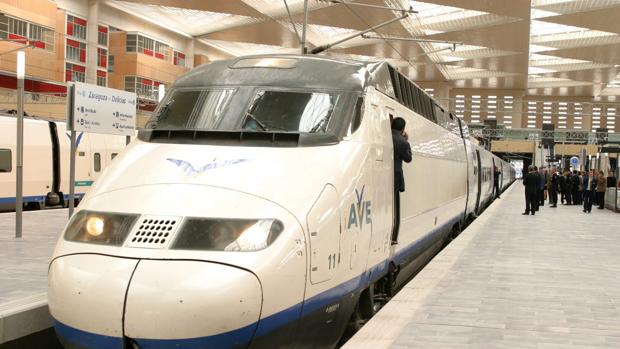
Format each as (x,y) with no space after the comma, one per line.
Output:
(255,210)
(46,161)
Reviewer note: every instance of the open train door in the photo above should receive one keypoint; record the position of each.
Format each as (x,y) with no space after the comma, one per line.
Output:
(477,170)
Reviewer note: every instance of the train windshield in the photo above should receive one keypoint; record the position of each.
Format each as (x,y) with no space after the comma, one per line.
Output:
(192,109)
(267,111)
(290,111)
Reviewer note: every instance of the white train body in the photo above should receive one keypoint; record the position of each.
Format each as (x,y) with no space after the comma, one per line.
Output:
(316,216)
(46,162)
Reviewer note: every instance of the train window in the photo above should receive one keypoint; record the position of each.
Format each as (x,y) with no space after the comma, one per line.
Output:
(97,160)
(290,111)
(81,153)
(113,155)
(191,109)
(6,164)
(356,121)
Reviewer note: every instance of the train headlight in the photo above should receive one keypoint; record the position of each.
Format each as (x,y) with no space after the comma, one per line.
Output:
(213,234)
(100,227)
(94,226)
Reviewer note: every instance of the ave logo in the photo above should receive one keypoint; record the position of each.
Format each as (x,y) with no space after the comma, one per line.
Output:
(360,211)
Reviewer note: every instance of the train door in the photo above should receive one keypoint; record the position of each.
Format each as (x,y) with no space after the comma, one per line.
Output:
(493,178)
(325,230)
(478,172)
(380,210)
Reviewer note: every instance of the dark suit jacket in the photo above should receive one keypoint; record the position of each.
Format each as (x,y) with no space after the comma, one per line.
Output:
(402,152)
(585,184)
(555,181)
(531,181)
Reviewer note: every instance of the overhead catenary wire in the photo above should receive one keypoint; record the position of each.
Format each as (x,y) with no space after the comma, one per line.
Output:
(290,17)
(380,35)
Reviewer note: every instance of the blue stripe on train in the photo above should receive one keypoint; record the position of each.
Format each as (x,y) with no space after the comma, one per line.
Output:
(35,198)
(265,326)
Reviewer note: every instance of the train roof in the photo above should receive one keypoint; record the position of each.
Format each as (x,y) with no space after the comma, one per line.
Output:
(289,70)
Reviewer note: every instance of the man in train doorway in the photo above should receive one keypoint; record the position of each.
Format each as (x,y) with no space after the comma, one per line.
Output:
(402,152)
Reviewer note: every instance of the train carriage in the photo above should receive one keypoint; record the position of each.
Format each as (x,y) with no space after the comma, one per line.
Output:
(256,209)
(46,162)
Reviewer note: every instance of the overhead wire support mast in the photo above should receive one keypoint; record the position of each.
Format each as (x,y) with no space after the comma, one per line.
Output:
(322,48)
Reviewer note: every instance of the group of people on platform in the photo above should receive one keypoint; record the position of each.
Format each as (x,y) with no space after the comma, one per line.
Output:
(575,188)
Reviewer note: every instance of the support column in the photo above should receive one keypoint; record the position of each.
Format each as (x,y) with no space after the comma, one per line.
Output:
(190,55)
(92,38)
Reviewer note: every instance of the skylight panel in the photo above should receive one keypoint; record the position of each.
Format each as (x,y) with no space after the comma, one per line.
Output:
(540,28)
(537,70)
(536,13)
(433,13)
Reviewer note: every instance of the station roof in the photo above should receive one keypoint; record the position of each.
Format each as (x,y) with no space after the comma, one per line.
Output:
(547,47)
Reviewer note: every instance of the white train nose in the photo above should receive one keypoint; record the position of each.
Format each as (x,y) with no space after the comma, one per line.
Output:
(172,302)
(103,302)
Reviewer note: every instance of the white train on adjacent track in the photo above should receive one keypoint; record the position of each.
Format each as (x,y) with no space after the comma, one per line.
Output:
(46,162)
(256,209)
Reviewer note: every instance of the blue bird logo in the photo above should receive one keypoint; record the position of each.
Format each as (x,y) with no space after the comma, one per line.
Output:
(190,170)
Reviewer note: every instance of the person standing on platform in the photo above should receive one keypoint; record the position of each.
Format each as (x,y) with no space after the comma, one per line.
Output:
(569,188)
(562,187)
(531,181)
(541,187)
(589,188)
(576,184)
(554,185)
(496,175)
(601,188)
(402,152)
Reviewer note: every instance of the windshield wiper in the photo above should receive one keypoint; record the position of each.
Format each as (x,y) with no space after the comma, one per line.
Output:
(321,124)
(264,126)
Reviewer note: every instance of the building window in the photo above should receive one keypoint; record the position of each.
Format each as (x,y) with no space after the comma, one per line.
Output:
(76,27)
(148,46)
(102,57)
(179,58)
(76,51)
(18,30)
(144,88)
(102,78)
(162,51)
(110,64)
(75,72)
(102,36)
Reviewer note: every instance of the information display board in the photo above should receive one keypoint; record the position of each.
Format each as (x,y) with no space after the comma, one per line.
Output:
(99,109)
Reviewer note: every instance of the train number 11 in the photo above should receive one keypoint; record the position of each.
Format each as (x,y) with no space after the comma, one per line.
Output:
(332,260)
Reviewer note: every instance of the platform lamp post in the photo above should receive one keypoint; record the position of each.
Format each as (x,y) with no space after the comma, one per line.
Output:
(19,161)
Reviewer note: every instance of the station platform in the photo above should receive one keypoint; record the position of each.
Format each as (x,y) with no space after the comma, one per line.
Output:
(512,281)
(23,272)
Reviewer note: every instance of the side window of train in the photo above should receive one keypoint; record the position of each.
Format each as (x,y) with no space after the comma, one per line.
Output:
(97,160)
(113,155)
(5,161)
(356,121)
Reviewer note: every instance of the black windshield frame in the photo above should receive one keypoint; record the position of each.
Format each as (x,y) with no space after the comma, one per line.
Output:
(232,132)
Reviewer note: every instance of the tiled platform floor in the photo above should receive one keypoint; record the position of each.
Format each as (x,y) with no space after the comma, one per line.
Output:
(23,262)
(510,281)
